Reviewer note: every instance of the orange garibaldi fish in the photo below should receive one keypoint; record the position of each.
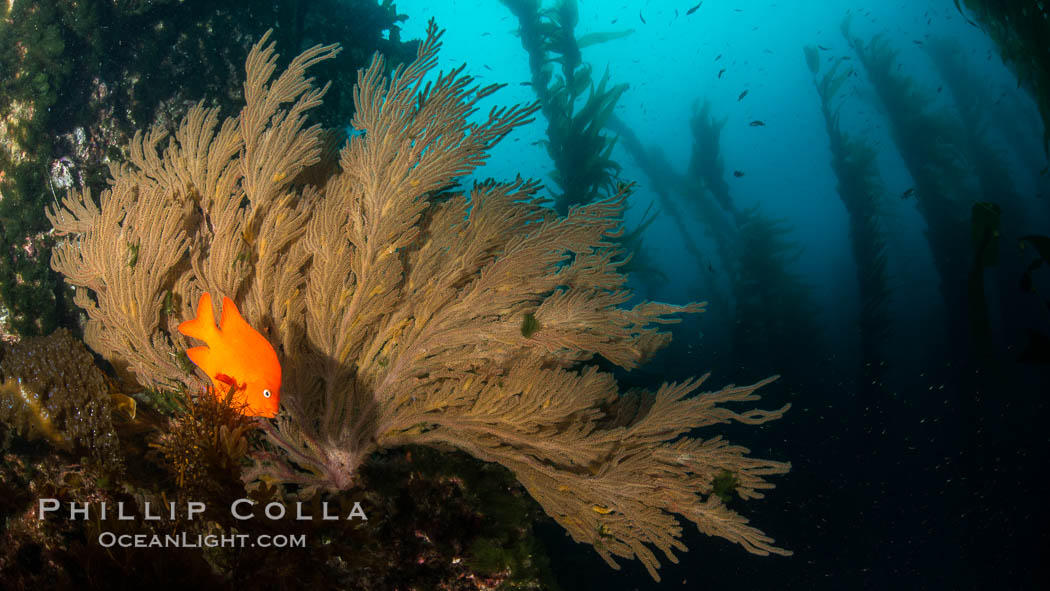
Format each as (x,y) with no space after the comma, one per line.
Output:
(237,356)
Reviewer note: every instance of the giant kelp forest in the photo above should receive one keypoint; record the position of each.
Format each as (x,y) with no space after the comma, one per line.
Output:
(482,381)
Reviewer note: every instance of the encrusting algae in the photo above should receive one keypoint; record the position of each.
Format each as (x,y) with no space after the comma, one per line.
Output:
(52,389)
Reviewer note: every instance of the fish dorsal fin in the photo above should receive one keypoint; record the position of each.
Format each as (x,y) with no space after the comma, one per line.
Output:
(231,319)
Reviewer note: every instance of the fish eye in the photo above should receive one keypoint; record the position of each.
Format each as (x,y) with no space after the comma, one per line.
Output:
(266,393)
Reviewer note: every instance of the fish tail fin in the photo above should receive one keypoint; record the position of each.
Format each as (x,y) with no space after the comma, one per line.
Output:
(201,357)
(203,326)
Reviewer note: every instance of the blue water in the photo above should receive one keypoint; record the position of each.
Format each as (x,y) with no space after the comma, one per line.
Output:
(670,61)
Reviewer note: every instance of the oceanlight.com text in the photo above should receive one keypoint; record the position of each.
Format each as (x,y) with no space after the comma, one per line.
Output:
(184,540)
